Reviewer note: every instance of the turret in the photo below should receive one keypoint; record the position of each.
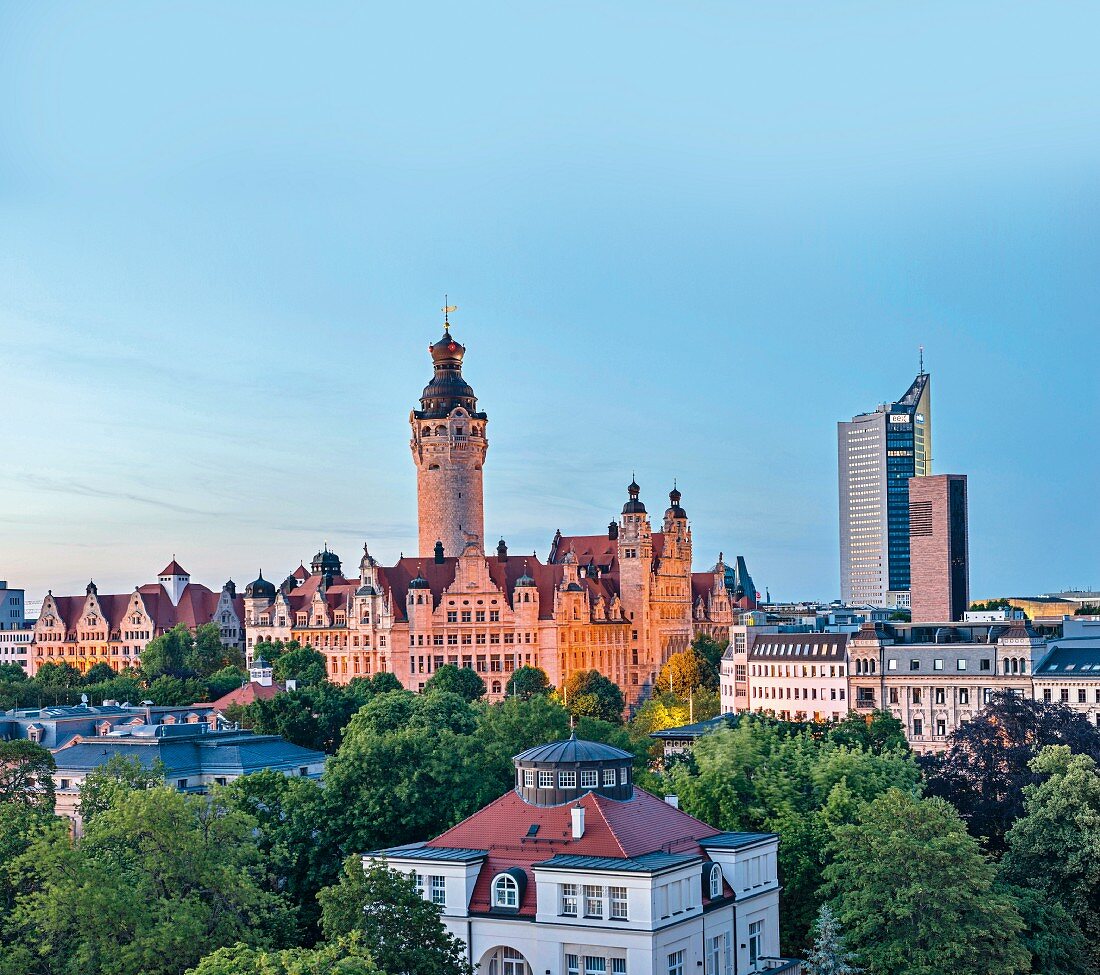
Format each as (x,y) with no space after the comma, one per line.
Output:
(448,447)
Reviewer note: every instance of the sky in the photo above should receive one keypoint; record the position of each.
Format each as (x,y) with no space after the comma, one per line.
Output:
(684,241)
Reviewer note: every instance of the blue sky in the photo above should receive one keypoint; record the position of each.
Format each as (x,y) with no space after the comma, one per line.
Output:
(685,240)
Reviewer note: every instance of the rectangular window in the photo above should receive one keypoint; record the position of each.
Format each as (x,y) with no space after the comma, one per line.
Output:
(465,616)
(623,773)
(914,665)
(479,616)
(983,664)
(916,695)
(618,903)
(567,780)
(891,665)
(715,953)
(1082,696)
(676,963)
(452,616)
(893,695)
(756,941)
(918,727)
(609,773)
(964,695)
(1046,695)
(618,966)
(937,664)
(939,692)
(1064,695)
(941,727)
(494,616)
(572,965)
(569,900)
(594,965)
(529,778)
(590,779)
(546,780)
(439,891)
(418,881)
(961,664)
(593,901)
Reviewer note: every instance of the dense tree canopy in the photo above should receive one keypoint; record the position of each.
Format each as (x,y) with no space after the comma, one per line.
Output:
(686,672)
(102,786)
(343,956)
(26,774)
(916,895)
(159,879)
(401,930)
(588,694)
(302,664)
(456,680)
(526,682)
(987,764)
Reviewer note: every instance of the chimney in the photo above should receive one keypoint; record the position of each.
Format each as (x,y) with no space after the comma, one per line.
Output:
(673,801)
(613,530)
(578,821)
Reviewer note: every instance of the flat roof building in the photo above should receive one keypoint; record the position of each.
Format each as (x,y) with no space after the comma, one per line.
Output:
(939,552)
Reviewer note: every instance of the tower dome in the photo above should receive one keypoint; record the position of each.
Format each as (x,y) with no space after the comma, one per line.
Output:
(633,506)
(325,563)
(260,588)
(563,771)
(674,509)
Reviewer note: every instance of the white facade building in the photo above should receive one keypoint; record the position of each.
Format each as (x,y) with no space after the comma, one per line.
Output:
(799,676)
(16,632)
(577,872)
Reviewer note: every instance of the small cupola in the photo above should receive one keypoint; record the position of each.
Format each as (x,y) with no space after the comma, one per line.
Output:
(633,506)
(564,771)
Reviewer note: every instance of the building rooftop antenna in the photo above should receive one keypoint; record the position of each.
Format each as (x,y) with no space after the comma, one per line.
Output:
(921,359)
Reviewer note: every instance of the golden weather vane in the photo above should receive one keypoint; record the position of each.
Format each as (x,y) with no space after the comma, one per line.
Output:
(447,309)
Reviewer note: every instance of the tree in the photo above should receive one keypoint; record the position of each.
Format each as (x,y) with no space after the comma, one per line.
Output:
(207,654)
(166,654)
(1054,848)
(686,672)
(828,955)
(302,664)
(1087,609)
(991,605)
(878,732)
(917,896)
(20,826)
(12,673)
(298,849)
(589,694)
(26,774)
(222,681)
(407,768)
(159,878)
(98,673)
(526,682)
(102,786)
(457,680)
(57,675)
(344,956)
(711,651)
(170,691)
(987,766)
(401,930)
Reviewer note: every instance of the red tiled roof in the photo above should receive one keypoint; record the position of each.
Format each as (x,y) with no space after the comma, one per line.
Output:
(246,695)
(301,573)
(173,568)
(619,829)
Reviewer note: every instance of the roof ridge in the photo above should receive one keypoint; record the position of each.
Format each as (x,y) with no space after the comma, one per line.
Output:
(597,801)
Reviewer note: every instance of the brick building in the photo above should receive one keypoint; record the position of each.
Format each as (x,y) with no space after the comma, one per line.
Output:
(939,560)
(620,601)
(114,629)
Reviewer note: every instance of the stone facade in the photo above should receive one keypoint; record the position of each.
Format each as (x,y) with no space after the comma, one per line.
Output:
(114,629)
(939,561)
(619,602)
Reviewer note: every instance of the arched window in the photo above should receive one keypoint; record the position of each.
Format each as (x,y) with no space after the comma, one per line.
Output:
(505,891)
(715,881)
(496,687)
(433,467)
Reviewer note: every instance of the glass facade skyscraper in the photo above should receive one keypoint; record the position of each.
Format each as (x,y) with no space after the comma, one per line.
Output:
(877,454)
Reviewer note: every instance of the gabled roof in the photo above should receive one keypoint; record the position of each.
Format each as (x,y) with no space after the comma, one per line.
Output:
(621,833)
(173,568)
(247,694)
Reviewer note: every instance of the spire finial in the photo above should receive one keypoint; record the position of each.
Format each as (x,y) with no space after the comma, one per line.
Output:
(921,359)
(447,309)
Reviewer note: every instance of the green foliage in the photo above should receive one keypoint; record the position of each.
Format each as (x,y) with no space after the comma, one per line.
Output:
(21,826)
(878,732)
(1054,848)
(164,655)
(711,651)
(686,672)
(344,956)
(508,728)
(771,776)
(182,654)
(159,878)
(98,673)
(588,694)
(526,682)
(828,956)
(456,680)
(916,895)
(103,786)
(302,664)
(57,675)
(1087,609)
(991,605)
(12,673)
(1051,934)
(900,616)
(168,690)
(298,850)
(26,774)
(401,930)
(223,681)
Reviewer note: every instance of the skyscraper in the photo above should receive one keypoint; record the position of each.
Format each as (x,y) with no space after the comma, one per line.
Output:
(939,557)
(877,455)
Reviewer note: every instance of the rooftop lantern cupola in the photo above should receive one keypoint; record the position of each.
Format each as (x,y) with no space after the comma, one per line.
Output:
(563,771)
(633,506)
(260,672)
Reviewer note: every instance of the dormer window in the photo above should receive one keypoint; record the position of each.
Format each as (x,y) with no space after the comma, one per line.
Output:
(505,891)
(715,881)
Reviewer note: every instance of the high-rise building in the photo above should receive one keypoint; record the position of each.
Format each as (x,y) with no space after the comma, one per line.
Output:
(938,549)
(878,453)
